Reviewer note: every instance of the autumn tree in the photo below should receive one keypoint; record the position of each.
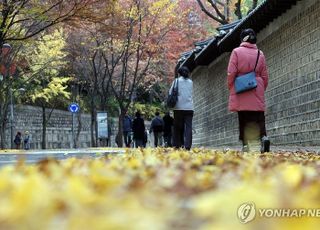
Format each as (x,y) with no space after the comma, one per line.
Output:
(191,26)
(21,20)
(130,50)
(128,40)
(9,83)
(46,87)
(139,42)
(86,61)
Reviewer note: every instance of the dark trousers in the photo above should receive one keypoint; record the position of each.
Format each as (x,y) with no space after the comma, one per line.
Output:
(167,140)
(157,139)
(182,128)
(127,138)
(251,125)
(139,143)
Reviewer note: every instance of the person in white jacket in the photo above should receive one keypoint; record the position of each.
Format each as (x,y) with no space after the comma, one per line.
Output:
(183,110)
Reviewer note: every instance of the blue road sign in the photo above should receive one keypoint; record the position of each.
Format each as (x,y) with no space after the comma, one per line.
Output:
(74,108)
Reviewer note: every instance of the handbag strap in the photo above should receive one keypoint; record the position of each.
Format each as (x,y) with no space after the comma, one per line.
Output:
(254,70)
(176,84)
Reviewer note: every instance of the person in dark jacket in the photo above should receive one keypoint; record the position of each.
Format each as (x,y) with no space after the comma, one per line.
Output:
(167,132)
(138,129)
(18,140)
(127,129)
(157,126)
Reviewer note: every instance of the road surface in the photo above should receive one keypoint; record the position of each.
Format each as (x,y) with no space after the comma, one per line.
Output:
(33,156)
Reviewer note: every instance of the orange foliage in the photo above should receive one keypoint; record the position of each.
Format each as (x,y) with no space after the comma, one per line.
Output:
(192,26)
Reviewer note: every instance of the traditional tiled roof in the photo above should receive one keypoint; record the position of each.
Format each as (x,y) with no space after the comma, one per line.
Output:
(229,35)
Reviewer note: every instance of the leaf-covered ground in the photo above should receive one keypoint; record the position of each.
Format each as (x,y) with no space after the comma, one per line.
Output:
(160,189)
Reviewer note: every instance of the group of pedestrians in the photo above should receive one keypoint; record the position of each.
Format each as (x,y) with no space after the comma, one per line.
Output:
(162,129)
(174,131)
(249,103)
(136,134)
(24,141)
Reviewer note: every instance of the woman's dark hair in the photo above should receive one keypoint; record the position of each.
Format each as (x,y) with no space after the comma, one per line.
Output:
(248,35)
(184,71)
(138,114)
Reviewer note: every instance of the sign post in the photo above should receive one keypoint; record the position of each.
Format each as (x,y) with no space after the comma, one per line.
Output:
(102,121)
(73,108)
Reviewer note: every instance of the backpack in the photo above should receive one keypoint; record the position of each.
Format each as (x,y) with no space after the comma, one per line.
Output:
(158,125)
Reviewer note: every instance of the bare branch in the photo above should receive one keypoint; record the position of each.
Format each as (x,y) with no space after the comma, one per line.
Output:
(217,10)
(39,25)
(218,2)
(237,10)
(210,14)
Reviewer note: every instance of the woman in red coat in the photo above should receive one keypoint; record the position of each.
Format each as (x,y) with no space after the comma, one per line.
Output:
(250,105)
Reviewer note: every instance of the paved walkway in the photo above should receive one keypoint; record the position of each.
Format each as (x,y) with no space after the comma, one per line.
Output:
(33,156)
(315,149)
(296,148)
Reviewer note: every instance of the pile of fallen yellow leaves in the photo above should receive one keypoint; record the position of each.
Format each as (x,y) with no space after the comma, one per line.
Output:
(160,189)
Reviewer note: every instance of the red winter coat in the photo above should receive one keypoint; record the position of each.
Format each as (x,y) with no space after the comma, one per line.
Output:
(242,61)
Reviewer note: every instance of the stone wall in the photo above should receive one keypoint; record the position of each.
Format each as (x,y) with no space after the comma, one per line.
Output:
(59,128)
(291,45)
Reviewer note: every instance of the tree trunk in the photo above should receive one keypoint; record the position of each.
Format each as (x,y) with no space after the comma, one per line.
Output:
(78,130)
(237,10)
(3,123)
(227,10)
(96,128)
(3,135)
(44,128)
(119,138)
(254,4)
(93,125)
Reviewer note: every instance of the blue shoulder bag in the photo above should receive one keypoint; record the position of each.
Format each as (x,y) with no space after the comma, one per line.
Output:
(247,81)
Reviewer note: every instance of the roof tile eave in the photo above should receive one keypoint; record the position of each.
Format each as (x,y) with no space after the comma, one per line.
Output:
(225,43)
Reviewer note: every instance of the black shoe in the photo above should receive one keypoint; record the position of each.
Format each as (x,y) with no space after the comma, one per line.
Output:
(265,144)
